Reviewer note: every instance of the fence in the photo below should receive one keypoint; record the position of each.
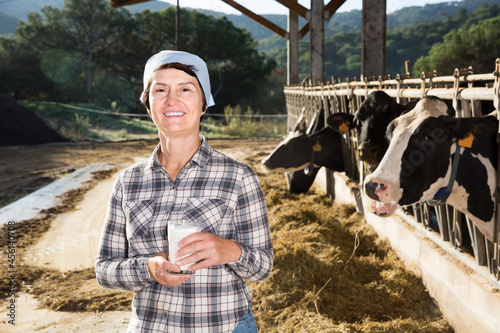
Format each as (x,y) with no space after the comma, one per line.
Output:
(472,95)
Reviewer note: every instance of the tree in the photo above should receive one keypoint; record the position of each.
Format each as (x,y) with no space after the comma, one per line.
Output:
(477,46)
(92,23)
(89,51)
(77,33)
(239,73)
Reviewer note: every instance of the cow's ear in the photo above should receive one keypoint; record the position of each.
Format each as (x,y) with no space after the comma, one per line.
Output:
(341,122)
(301,123)
(476,129)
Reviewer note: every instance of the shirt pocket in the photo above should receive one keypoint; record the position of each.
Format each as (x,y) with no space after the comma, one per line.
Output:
(208,213)
(139,217)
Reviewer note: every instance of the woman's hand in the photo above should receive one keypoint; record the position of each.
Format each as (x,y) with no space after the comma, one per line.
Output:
(208,250)
(159,268)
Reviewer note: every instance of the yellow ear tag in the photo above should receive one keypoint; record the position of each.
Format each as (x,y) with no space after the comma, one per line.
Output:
(317,147)
(467,141)
(344,127)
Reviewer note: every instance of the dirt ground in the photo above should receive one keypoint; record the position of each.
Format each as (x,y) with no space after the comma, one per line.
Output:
(24,169)
(61,246)
(350,281)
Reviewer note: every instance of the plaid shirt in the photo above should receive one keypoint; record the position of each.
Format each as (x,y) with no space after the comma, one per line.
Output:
(218,192)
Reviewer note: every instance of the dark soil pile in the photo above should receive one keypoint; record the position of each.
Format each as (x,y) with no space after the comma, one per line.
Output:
(19,126)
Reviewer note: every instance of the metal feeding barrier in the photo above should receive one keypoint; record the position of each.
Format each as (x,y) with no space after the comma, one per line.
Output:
(472,95)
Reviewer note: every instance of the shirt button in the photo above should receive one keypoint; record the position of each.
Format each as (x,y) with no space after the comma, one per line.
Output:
(169,288)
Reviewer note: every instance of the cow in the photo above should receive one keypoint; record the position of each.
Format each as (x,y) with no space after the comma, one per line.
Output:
(370,122)
(436,157)
(321,148)
(301,181)
(301,154)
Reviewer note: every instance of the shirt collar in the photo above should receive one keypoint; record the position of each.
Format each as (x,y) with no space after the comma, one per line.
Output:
(203,154)
(201,157)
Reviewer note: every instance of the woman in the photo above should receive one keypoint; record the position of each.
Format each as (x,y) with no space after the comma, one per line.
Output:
(185,178)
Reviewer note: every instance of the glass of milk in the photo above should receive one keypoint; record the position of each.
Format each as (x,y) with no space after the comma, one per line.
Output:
(178,230)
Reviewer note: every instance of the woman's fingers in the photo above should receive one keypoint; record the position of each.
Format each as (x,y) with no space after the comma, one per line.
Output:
(206,249)
(161,270)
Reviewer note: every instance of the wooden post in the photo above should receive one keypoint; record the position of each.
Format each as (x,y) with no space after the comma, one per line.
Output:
(317,47)
(373,38)
(293,48)
(178,27)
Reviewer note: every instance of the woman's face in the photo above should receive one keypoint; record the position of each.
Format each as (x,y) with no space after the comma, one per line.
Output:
(176,102)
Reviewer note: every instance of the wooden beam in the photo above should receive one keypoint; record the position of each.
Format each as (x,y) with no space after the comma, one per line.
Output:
(317,41)
(297,8)
(259,19)
(292,76)
(332,7)
(304,30)
(119,3)
(373,38)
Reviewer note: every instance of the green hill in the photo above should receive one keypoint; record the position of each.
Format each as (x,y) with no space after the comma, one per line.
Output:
(411,31)
(8,24)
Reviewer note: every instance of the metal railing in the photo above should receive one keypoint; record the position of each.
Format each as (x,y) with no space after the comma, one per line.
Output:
(472,95)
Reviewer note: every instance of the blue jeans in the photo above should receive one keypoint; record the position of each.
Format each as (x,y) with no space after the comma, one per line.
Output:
(247,325)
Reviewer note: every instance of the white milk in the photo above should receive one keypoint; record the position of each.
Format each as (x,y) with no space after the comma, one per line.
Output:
(176,232)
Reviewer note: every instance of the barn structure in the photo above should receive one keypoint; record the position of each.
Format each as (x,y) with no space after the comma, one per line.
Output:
(459,266)
(374,20)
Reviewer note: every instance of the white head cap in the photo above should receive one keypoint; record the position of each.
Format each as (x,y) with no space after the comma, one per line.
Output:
(167,56)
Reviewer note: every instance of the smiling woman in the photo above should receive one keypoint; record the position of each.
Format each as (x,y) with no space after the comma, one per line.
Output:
(176,101)
(185,179)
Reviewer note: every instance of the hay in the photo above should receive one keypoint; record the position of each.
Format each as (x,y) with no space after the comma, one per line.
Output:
(331,272)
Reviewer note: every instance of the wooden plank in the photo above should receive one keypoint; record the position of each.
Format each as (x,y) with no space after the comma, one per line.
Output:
(295,7)
(317,37)
(373,36)
(304,30)
(293,48)
(120,3)
(332,7)
(259,19)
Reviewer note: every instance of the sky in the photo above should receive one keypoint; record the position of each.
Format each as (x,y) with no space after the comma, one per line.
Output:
(274,7)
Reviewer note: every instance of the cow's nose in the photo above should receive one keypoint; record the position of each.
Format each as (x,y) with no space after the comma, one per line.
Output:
(373,189)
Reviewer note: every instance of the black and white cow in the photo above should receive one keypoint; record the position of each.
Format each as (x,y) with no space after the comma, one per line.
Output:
(301,154)
(370,121)
(321,148)
(425,143)
(299,181)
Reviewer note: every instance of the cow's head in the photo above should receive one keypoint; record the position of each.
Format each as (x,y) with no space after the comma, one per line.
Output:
(370,121)
(418,161)
(294,151)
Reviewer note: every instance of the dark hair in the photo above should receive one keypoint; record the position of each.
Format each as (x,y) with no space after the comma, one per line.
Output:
(188,69)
